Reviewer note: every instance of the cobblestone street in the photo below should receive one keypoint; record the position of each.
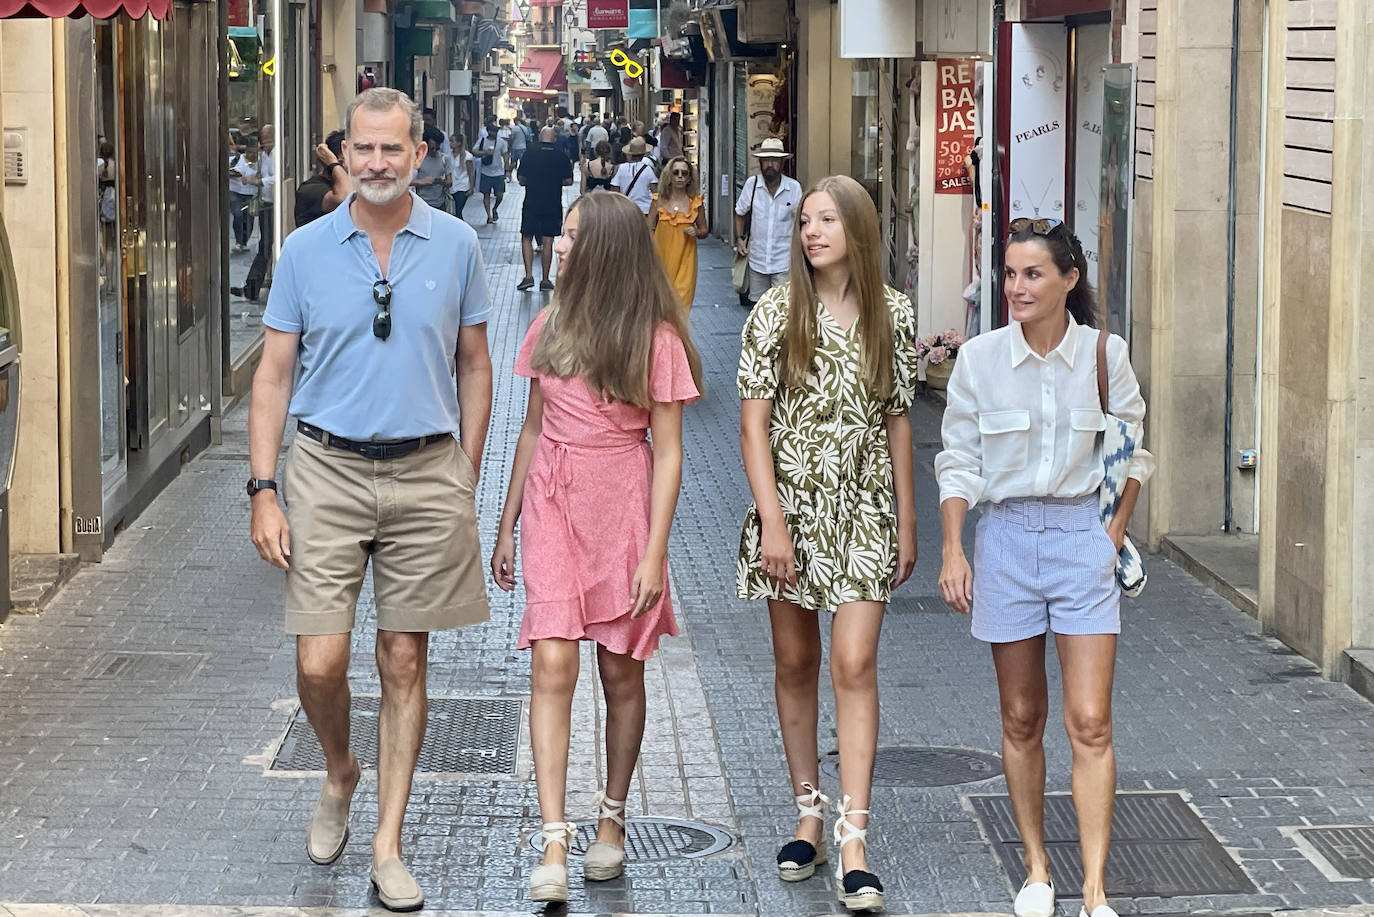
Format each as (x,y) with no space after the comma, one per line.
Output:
(143,785)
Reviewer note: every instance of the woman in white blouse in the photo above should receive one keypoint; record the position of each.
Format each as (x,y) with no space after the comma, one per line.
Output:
(1022,434)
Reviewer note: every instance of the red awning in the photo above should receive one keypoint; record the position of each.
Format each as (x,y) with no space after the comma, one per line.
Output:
(99,9)
(550,67)
(673,76)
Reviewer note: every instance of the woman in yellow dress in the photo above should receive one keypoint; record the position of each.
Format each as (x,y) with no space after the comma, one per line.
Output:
(677,220)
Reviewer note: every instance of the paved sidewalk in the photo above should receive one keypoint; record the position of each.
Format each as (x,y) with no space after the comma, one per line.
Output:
(149,790)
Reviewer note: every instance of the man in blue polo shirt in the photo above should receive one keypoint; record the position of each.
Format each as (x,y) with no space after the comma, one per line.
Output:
(383,303)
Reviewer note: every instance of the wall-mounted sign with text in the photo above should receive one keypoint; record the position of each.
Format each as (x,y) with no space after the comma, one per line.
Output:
(954,124)
(608,14)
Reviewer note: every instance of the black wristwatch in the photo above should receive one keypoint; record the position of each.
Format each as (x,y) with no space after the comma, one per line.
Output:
(257,484)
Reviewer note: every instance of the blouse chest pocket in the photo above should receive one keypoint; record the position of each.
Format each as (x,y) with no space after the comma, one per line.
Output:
(1005,438)
(1085,424)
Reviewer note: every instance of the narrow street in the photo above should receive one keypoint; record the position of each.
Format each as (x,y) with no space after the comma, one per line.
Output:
(149,765)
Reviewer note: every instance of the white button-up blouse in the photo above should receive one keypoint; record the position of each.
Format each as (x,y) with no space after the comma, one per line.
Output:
(1018,425)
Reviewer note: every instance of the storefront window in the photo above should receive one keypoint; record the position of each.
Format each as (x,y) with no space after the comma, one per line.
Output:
(111,271)
(250,147)
(865,119)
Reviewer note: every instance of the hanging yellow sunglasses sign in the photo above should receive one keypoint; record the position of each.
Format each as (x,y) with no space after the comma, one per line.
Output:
(270,68)
(633,68)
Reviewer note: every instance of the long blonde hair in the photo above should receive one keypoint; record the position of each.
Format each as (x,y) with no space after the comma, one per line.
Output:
(859,220)
(603,317)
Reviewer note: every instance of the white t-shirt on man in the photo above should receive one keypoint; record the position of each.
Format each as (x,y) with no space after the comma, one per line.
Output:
(636,181)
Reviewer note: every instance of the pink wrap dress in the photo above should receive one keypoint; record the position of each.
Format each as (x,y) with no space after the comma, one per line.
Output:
(584,521)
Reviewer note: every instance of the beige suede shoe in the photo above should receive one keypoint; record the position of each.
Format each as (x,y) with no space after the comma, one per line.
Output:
(328,832)
(549,882)
(396,887)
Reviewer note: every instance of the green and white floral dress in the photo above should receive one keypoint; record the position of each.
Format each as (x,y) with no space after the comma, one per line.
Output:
(830,457)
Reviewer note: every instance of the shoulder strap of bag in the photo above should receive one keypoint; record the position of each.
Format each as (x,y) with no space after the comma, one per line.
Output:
(634,179)
(1102,369)
(749,217)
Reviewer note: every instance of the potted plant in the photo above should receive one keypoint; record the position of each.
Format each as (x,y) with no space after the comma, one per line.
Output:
(938,350)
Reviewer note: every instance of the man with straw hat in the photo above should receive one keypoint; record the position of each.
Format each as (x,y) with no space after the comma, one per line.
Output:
(636,178)
(764,214)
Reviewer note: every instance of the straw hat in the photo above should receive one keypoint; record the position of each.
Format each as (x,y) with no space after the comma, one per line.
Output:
(772,148)
(637,147)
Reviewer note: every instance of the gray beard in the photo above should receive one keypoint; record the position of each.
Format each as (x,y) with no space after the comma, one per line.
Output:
(381,196)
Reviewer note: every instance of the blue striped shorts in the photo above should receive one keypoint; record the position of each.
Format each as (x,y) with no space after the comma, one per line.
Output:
(1041,565)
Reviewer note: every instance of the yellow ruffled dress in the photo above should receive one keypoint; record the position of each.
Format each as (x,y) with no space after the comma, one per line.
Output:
(677,249)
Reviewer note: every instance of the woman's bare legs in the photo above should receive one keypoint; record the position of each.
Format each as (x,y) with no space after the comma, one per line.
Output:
(553,679)
(1088,664)
(622,680)
(1025,705)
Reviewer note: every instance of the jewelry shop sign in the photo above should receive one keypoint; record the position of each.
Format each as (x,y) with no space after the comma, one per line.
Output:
(608,14)
(954,116)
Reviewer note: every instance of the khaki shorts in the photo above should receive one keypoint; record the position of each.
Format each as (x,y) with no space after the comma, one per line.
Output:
(415,516)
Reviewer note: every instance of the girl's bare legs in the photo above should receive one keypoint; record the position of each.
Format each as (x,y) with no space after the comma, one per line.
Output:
(622,680)
(854,672)
(1025,704)
(796,676)
(553,680)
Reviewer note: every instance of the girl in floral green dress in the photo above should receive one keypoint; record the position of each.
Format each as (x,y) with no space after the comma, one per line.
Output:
(827,375)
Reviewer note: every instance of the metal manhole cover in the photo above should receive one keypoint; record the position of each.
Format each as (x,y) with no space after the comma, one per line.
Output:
(143,667)
(910,765)
(464,735)
(1160,847)
(654,839)
(1350,851)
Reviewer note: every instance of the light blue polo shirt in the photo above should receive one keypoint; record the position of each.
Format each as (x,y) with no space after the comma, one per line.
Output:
(351,383)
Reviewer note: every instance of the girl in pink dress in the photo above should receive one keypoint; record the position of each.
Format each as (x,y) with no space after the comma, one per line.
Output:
(609,361)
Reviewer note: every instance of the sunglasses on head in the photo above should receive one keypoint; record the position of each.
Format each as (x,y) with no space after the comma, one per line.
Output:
(1039,227)
(381,322)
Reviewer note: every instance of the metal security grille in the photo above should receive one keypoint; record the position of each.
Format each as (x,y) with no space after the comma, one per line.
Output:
(654,839)
(1350,851)
(1160,848)
(477,736)
(150,668)
(918,766)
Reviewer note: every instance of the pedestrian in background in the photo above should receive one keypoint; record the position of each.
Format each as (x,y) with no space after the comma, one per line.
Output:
(493,156)
(670,138)
(609,361)
(544,174)
(464,171)
(635,178)
(764,215)
(827,375)
(1022,433)
(567,144)
(243,169)
(266,183)
(599,172)
(432,178)
(384,465)
(678,219)
(329,187)
(519,142)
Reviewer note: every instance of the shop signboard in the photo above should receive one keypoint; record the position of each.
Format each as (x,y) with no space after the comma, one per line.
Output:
(1094,48)
(1036,138)
(240,13)
(954,124)
(608,14)
(490,82)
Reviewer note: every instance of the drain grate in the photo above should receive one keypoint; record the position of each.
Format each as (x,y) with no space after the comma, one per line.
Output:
(152,668)
(1350,851)
(465,735)
(1160,848)
(910,765)
(654,839)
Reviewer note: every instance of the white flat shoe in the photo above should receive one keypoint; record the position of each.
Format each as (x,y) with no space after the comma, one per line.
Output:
(549,882)
(1100,911)
(604,862)
(1035,899)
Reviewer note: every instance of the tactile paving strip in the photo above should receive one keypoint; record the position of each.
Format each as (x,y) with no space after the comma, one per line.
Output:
(654,839)
(904,765)
(477,736)
(1350,851)
(1160,848)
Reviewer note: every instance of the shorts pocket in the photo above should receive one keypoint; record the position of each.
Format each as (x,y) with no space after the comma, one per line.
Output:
(1005,439)
(1085,426)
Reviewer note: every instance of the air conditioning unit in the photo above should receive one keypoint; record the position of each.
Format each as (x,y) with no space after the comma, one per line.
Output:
(460,82)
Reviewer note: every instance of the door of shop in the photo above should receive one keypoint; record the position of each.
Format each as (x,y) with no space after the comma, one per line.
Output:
(167,159)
